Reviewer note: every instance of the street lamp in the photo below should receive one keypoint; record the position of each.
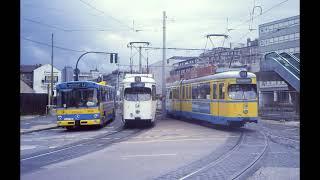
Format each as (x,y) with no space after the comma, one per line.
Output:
(113,57)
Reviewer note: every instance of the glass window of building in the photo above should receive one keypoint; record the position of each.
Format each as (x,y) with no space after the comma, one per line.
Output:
(297,49)
(297,36)
(291,37)
(276,39)
(280,38)
(286,37)
(296,21)
(291,50)
(271,40)
(276,26)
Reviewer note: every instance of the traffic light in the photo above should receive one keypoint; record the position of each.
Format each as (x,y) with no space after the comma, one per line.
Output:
(114,56)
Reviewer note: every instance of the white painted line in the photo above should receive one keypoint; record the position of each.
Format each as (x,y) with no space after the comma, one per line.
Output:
(49,152)
(168,140)
(148,155)
(105,138)
(24,147)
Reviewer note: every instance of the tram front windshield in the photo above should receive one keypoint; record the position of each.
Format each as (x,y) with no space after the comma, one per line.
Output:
(137,94)
(77,97)
(242,91)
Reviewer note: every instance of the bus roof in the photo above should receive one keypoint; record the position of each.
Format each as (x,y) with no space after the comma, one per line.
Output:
(80,84)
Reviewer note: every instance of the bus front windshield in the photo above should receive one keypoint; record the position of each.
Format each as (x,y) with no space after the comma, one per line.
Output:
(137,94)
(242,91)
(77,98)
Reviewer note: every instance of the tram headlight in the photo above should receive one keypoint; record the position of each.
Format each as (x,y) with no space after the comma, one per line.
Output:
(59,117)
(137,111)
(96,115)
(245,111)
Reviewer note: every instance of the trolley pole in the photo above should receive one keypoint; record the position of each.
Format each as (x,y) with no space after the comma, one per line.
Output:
(163,66)
(140,68)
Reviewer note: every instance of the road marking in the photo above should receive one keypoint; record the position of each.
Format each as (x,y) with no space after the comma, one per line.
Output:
(49,152)
(148,155)
(24,147)
(168,140)
(106,138)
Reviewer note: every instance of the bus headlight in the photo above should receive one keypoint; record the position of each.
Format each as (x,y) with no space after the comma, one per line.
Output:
(96,115)
(60,117)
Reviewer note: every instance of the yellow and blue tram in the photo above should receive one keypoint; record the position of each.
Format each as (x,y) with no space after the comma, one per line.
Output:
(84,103)
(227,98)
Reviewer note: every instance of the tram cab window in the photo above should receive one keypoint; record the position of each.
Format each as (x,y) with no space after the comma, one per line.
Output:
(137,94)
(242,91)
(221,92)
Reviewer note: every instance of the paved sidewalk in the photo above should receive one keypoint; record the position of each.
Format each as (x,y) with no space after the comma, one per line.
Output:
(287,123)
(30,124)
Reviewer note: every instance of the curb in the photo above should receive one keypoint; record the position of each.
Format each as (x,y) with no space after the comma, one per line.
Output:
(35,130)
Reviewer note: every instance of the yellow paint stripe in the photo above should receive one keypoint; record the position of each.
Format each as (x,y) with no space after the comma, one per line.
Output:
(77,111)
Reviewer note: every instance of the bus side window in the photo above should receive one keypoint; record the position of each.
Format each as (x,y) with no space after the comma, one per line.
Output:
(153,92)
(214,90)
(221,93)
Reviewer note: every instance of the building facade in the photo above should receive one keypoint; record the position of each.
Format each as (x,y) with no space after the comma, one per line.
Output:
(42,78)
(26,73)
(156,70)
(281,36)
(67,74)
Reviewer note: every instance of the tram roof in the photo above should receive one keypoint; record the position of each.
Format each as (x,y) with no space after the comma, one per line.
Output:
(223,75)
(82,84)
(147,78)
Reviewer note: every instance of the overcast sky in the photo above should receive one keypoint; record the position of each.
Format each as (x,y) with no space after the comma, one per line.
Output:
(107,25)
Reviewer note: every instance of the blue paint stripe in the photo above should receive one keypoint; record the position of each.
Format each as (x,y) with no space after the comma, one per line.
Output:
(81,116)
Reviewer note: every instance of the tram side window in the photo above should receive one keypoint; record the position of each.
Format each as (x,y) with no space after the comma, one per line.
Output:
(214,90)
(194,92)
(183,92)
(204,91)
(221,93)
(187,92)
(170,95)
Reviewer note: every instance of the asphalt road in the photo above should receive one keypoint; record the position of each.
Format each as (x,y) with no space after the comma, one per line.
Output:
(173,149)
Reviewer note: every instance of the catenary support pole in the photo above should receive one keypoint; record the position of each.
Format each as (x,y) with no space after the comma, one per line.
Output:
(163,107)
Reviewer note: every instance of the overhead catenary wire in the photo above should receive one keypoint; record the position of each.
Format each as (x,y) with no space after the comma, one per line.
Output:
(57,47)
(102,12)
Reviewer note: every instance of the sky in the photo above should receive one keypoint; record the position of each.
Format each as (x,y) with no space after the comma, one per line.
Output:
(109,25)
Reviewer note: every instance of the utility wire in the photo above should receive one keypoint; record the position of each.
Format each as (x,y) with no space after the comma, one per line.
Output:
(102,12)
(58,47)
(66,30)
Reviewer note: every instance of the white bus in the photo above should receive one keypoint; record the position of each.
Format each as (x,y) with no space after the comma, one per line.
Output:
(139,98)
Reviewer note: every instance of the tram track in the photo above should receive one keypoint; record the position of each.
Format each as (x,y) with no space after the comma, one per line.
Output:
(37,160)
(234,163)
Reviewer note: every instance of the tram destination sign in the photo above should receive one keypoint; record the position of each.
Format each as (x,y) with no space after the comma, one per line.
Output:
(243,80)
(137,84)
